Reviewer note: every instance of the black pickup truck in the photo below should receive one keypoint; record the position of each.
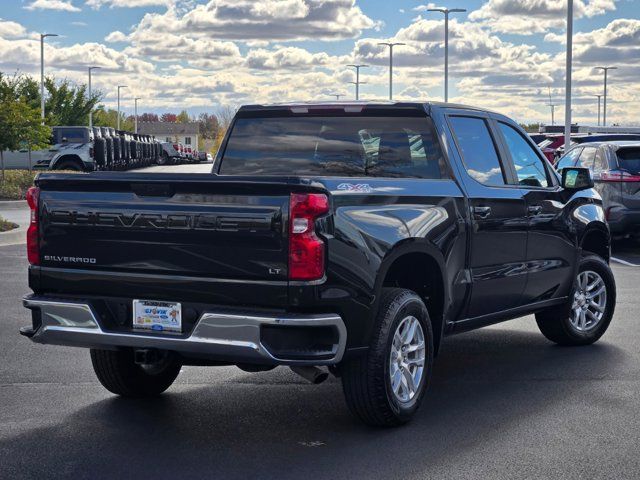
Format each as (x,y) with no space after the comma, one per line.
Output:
(343,237)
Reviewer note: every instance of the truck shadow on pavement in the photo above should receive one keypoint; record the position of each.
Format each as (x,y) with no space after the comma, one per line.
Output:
(487,385)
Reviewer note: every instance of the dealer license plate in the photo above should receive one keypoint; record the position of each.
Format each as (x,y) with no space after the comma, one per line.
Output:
(157,316)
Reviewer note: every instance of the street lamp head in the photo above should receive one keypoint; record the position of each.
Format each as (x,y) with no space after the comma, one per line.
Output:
(45,35)
(93,68)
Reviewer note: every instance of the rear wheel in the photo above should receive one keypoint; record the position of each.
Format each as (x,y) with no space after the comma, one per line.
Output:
(587,314)
(385,387)
(118,372)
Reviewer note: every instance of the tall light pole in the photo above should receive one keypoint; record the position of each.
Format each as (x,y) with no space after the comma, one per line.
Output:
(599,97)
(357,82)
(446,12)
(118,120)
(42,37)
(553,108)
(604,108)
(135,114)
(567,100)
(391,45)
(91,110)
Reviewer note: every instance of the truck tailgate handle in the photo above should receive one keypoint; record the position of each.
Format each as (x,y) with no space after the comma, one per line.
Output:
(481,212)
(152,189)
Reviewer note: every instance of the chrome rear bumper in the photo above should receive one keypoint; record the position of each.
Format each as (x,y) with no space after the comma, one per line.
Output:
(218,335)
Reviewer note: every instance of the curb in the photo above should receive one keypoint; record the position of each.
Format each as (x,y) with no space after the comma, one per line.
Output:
(13,204)
(16,236)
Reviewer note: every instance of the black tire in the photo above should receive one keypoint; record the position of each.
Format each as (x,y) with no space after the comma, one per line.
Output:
(119,374)
(163,159)
(365,379)
(99,153)
(555,323)
(69,165)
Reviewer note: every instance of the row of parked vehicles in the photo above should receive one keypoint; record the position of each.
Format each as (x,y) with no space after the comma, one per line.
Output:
(100,148)
(614,162)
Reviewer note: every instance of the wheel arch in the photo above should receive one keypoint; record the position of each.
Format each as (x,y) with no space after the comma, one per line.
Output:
(68,158)
(418,265)
(596,239)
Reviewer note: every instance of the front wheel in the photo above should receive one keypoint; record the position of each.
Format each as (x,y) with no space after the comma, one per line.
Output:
(385,387)
(588,312)
(163,159)
(120,374)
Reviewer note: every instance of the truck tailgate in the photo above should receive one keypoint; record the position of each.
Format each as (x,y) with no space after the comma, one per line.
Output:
(167,226)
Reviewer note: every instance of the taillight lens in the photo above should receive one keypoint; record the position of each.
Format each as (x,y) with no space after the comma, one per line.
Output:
(618,176)
(306,250)
(33,246)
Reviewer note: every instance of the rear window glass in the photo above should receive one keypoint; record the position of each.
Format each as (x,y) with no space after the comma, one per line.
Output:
(629,159)
(333,145)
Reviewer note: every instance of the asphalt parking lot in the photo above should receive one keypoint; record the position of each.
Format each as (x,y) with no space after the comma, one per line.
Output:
(504,403)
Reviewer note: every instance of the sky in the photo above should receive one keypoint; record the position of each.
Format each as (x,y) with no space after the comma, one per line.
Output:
(201,55)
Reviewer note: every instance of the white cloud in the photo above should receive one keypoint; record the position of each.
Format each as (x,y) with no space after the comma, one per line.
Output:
(527,17)
(116,36)
(96,4)
(270,20)
(63,5)
(9,29)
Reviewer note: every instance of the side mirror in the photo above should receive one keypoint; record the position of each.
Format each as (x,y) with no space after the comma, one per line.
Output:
(576,178)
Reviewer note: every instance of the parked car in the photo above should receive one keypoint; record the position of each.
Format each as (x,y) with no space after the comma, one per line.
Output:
(305,247)
(553,146)
(615,167)
(205,157)
(71,149)
(170,154)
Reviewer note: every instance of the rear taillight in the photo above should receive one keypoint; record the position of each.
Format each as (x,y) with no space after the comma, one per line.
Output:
(306,250)
(176,147)
(33,246)
(618,176)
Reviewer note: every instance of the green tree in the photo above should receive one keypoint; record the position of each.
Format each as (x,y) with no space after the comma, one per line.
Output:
(66,104)
(107,117)
(183,117)
(20,127)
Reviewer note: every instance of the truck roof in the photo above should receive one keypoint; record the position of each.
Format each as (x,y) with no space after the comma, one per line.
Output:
(355,104)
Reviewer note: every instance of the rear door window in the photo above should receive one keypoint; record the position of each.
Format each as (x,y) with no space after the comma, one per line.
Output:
(377,146)
(478,150)
(587,158)
(570,159)
(600,163)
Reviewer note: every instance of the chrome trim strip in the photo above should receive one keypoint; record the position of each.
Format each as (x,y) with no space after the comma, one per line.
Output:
(219,334)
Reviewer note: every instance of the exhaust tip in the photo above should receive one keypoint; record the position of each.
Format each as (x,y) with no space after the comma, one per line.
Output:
(312,374)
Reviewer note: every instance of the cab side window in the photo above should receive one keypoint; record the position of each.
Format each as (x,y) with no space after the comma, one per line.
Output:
(478,150)
(530,168)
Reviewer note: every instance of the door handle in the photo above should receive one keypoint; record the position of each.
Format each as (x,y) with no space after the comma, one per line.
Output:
(534,209)
(481,212)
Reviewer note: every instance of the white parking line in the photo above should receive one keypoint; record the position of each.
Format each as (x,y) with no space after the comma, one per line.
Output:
(624,262)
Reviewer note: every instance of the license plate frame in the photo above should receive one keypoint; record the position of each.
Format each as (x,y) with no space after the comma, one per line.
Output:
(157,316)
